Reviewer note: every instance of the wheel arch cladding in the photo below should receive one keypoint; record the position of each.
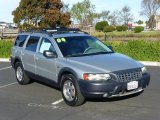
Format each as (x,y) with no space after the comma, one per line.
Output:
(64,71)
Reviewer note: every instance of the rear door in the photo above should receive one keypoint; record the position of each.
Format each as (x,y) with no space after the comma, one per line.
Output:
(28,55)
(46,67)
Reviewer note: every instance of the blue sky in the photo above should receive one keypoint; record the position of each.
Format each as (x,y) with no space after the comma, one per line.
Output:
(7,6)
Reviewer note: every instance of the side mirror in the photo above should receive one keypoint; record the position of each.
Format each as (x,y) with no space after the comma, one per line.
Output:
(50,54)
(110,47)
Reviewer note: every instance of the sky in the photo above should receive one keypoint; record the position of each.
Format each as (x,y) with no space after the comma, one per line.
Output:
(7,6)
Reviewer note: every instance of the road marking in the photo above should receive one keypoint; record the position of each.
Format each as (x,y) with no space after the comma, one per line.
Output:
(8,85)
(6,68)
(57,102)
(44,106)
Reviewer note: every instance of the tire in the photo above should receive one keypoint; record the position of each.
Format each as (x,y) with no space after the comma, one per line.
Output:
(70,91)
(21,77)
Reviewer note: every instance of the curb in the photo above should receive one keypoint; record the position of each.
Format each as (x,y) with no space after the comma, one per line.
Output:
(155,64)
(4,60)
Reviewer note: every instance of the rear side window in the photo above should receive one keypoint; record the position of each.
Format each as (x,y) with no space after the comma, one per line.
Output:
(20,40)
(32,43)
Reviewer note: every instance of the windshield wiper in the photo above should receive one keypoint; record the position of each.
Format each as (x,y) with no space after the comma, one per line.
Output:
(80,55)
(106,52)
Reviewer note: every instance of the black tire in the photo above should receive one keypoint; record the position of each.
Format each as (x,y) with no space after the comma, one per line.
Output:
(78,99)
(25,79)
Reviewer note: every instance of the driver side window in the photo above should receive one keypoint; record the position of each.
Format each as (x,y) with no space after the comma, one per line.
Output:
(46,45)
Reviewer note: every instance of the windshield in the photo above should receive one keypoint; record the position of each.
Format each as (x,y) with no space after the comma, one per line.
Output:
(81,46)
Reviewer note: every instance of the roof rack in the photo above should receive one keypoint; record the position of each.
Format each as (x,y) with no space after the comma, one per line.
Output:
(56,30)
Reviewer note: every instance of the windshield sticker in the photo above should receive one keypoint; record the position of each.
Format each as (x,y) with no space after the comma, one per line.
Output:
(60,40)
(63,39)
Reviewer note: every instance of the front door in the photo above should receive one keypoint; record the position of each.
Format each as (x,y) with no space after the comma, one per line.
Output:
(46,67)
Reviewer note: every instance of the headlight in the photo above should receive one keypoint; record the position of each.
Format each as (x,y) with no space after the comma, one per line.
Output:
(95,77)
(144,70)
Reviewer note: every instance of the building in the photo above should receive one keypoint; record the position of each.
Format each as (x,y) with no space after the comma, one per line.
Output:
(133,25)
(157,18)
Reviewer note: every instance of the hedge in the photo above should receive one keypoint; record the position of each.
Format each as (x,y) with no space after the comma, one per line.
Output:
(138,29)
(109,29)
(5,47)
(140,50)
(121,28)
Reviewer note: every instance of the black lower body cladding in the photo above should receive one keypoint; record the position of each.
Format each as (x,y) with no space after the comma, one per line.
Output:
(92,89)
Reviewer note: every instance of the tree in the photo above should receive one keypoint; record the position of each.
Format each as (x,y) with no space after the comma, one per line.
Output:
(125,15)
(105,15)
(113,18)
(139,22)
(83,12)
(41,13)
(150,8)
(151,23)
(101,25)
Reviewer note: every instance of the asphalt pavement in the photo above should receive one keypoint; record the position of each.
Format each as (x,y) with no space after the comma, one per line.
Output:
(37,101)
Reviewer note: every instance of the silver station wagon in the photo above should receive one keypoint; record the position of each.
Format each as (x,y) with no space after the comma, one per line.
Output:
(77,63)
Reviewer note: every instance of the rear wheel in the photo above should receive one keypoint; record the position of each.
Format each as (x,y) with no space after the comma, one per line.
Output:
(70,91)
(21,77)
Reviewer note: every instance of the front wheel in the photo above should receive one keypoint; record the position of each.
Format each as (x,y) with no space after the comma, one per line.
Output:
(70,91)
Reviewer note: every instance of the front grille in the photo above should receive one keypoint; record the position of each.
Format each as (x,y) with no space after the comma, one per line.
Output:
(129,76)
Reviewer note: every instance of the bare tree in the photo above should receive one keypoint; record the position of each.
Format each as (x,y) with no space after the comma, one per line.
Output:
(105,15)
(113,18)
(83,12)
(126,15)
(150,8)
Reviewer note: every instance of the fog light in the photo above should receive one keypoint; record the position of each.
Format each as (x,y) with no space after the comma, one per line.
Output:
(105,95)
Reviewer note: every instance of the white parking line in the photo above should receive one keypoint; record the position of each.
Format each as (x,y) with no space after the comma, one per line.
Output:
(6,68)
(57,102)
(8,85)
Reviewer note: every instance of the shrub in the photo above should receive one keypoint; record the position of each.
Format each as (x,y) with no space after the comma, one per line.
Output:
(138,49)
(101,25)
(138,29)
(109,29)
(121,28)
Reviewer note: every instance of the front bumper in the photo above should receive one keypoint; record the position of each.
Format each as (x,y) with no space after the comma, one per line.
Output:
(107,89)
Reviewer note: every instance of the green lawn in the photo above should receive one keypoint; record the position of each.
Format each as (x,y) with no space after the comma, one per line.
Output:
(129,34)
(5,46)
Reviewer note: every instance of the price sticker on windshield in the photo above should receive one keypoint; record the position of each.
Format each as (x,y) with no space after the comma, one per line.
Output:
(60,40)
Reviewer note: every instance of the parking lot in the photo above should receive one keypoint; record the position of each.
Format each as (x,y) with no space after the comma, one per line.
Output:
(41,102)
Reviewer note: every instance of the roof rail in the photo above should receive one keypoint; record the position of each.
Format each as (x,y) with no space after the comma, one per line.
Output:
(55,30)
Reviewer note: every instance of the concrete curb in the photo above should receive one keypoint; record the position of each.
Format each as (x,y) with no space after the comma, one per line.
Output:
(156,64)
(4,60)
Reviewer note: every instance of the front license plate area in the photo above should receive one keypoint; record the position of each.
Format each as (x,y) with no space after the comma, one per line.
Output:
(132,85)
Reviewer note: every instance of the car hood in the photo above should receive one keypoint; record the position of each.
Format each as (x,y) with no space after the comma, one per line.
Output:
(104,62)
